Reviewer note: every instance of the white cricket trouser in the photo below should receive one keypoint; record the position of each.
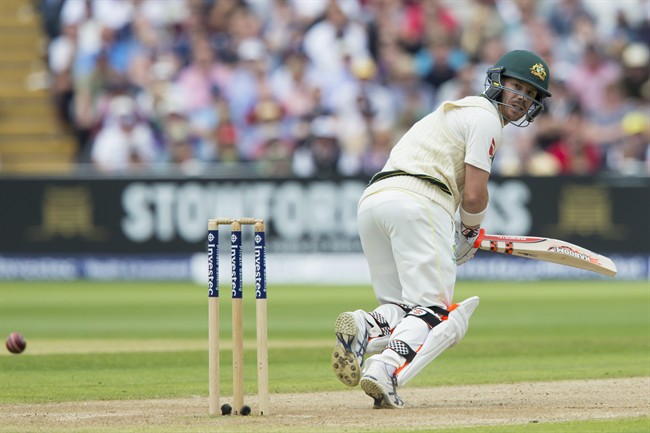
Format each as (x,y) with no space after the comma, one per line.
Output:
(408,242)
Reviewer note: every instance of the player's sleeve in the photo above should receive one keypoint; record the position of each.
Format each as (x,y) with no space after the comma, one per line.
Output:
(482,134)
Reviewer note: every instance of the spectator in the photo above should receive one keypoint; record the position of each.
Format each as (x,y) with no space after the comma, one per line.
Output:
(362,105)
(275,157)
(575,152)
(293,83)
(636,70)
(571,49)
(483,23)
(180,145)
(463,84)
(199,79)
(124,142)
(50,11)
(523,24)
(372,66)
(589,80)
(280,30)
(320,154)
(248,85)
(605,124)
(564,14)
(159,91)
(375,157)
(265,122)
(490,51)
(632,155)
(61,54)
(441,68)
(226,135)
(411,27)
(333,42)
(112,14)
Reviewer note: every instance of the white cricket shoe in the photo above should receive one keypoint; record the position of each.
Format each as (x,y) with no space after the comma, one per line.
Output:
(351,341)
(379,384)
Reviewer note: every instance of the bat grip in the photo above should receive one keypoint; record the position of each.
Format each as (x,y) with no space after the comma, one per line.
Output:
(479,238)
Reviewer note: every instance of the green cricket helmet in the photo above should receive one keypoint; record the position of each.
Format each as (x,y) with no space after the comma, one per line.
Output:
(524,66)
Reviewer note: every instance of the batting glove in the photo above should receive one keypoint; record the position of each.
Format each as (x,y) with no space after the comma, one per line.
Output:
(467,242)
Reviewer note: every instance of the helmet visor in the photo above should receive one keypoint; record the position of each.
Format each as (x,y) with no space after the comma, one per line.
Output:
(525,115)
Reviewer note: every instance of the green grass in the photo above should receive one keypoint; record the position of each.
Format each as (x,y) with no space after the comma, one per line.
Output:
(634,425)
(521,332)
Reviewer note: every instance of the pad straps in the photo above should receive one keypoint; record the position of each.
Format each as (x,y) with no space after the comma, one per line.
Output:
(440,311)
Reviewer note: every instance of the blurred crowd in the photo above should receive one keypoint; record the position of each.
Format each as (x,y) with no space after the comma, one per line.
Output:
(319,88)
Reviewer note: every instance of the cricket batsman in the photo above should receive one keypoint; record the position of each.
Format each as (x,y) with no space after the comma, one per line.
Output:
(411,240)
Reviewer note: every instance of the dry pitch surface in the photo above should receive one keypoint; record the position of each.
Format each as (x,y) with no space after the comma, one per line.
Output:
(351,410)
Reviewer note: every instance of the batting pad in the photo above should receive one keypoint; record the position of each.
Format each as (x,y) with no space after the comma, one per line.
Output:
(439,339)
(377,345)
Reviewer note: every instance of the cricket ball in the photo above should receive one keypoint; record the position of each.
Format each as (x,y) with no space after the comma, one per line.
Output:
(15,343)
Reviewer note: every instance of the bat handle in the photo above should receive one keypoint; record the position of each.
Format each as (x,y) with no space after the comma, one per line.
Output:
(479,238)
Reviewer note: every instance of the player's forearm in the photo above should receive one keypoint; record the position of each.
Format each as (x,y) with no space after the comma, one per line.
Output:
(475,203)
(475,197)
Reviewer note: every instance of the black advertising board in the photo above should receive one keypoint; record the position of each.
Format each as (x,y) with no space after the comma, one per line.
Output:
(169,215)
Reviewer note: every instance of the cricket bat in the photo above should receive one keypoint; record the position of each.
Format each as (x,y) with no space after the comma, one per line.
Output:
(549,250)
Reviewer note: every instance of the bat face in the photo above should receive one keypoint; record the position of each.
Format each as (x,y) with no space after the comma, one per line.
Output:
(550,250)
(563,249)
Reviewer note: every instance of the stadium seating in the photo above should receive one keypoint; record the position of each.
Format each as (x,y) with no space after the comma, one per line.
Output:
(31,138)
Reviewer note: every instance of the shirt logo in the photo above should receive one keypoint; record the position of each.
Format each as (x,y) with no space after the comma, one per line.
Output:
(493,149)
(538,71)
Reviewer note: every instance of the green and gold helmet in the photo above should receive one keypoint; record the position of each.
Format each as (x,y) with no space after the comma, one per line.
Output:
(524,66)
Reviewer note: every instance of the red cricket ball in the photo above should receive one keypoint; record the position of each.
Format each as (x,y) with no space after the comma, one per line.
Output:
(15,343)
